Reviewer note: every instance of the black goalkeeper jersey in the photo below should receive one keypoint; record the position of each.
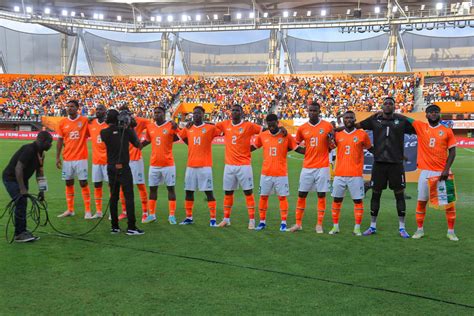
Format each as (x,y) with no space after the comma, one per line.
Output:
(388,136)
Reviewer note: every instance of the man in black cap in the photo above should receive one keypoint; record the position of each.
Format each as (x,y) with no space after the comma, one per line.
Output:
(389,131)
(26,161)
(116,139)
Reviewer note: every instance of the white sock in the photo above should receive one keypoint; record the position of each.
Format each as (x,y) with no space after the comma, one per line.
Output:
(227,220)
(283,222)
(336,226)
(263,222)
(373,222)
(401,222)
(420,229)
(450,231)
(357,226)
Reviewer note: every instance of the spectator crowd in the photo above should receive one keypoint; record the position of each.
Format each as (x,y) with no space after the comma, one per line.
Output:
(30,97)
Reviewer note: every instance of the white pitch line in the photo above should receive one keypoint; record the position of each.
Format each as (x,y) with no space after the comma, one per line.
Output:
(296,158)
(469,150)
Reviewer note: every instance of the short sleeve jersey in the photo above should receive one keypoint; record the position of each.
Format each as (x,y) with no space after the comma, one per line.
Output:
(237,140)
(433,145)
(200,144)
(275,149)
(74,134)
(315,138)
(135,153)
(350,152)
(161,138)
(99,152)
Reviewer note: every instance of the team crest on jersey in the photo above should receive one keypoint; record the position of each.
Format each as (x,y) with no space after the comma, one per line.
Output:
(165,131)
(441,133)
(204,131)
(79,124)
(241,130)
(396,122)
(280,141)
(321,131)
(355,139)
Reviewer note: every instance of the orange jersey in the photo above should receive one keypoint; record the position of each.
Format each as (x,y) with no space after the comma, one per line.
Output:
(74,134)
(433,145)
(350,152)
(161,138)
(99,151)
(135,153)
(316,142)
(200,144)
(275,148)
(237,141)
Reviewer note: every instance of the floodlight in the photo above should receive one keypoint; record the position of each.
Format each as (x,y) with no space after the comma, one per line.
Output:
(348,11)
(47,10)
(184,18)
(101,16)
(215,16)
(152,19)
(119,18)
(377,10)
(29,9)
(139,18)
(323,12)
(170,18)
(158,18)
(96,16)
(251,15)
(239,16)
(308,13)
(64,12)
(265,15)
(198,17)
(16,8)
(439,6)
(394,9)
(285,14)
(295,13)
(73,14)
(422,7)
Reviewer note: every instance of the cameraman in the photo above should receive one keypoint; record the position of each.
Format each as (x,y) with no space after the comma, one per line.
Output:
(28,159)
(116,138)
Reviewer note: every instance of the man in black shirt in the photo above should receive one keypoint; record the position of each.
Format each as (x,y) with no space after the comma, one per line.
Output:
(26,161)
(389,131)
(116,140)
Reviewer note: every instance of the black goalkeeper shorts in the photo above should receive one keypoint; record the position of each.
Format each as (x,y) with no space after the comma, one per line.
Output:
(391,173)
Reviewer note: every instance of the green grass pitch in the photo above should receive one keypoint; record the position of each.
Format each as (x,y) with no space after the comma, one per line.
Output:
(201,270)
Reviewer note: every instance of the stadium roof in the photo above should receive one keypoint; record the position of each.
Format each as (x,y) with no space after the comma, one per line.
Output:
(109,10)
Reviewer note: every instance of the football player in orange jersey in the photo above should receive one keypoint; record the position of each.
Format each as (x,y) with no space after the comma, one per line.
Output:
(99,157)
(315,175)
(274,177)
(73,133)
(350,144)
(161,134)
(436,154)
(138,168)
(238,168)
(198,137)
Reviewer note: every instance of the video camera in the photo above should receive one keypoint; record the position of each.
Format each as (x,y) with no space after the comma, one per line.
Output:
(125,119)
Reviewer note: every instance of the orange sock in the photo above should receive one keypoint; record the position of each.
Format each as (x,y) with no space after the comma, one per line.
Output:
(451,216)
(70,198)
(86,196)
(300,206)
(262,207)
(152,206)
(336,211)
(212,209)
(228,202)
(143,197)
(283,208)
(122,201)
(420,213)
(321,209)
(98,199)
(250,201)
(358,212)
(172,207)
(188,206)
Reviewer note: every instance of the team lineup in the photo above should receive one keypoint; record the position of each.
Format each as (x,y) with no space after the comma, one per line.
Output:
(314,140)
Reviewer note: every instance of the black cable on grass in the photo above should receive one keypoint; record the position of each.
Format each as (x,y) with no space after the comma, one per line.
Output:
(38,210)
(289,274)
